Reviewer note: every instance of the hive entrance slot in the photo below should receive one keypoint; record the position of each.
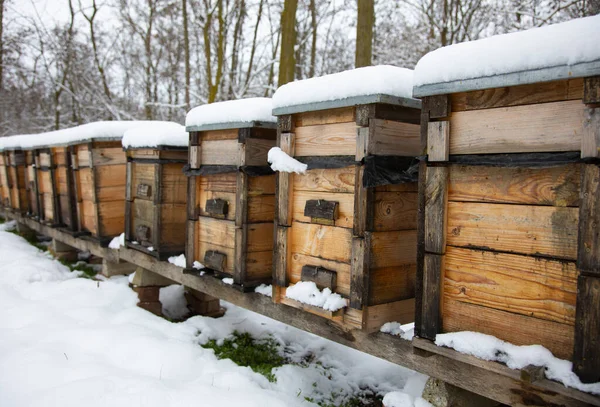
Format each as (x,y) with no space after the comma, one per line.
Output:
(144,191)
(217,207)
(321,211)
(215,260)
(322,277)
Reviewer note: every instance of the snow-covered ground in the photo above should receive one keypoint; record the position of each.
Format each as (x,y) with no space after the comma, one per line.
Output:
(68,341)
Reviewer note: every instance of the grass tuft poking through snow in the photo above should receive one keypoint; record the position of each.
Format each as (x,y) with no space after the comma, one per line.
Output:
(261,355)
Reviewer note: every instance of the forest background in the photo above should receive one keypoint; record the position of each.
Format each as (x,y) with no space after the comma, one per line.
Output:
(155,59)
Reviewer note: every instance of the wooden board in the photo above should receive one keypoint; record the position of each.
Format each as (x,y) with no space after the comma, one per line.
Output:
(261,208)
(535,230)
(297,261)
(83,156)
(202,196)
(514,328)
(390,284)
(259,266)
(326,180)
(586,357)
(142,174)
(394,211)
(326,139)
(397,311)
(345,206)
(108,156)
(537,288)
(556,186)
(219,152)
(260,237)
(388,137)
(216,231)
(112,218)
(546,127)
(256,151)
(172,224)
(218,182)
(329,116)
(518,95)
(327,242)
(393,249)
(110,182)
(88,217)
(218,135)
(264,185)
(173,184)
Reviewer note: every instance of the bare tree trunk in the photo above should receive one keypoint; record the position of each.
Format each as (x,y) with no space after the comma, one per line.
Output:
(1,45)
(236,40)
(313,48)
(364,32)
(148,53)
(253,49)
(287,60)
(186,46)
(272,68)
(90,19)
(213,86)
(66,68)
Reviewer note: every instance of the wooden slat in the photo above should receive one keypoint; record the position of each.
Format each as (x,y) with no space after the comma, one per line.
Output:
(586,353)
(588,241)
(261,208)
(430,313)
(390,284)
(190,243)
(256,151)
(283,200)
(518,95)
(591,90)
(556,186)
(263,185)
(260,237)
(297,261)
(327,139)
(328,242)
(398,311)
(172,222)
(219,152)
(524,229)
(546,127)
(111,217)
(537,288)
(216,231)
(218,135)
(590,139)
(514,328)
(326,180)
(436,107)
(363,204)
(229,197)
(218,182)
(394,211)
(241,228)
(436,209)
(108,156)
(394,248)
(388,137)
(330,116)
(281,252)
(438,141)
(173,184)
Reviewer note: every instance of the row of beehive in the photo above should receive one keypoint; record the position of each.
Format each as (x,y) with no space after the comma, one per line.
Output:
(501,204)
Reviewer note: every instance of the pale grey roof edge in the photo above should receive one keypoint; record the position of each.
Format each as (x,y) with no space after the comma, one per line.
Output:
(65,144)
(231,125)
(346,102)
(548,74)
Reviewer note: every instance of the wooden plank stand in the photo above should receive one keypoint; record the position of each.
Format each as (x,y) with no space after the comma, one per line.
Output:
(333,230)
(155,210)
(231,198)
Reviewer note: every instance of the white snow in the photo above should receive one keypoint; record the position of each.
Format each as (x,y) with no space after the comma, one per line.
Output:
(10,225)
(117,242)
(307,292)
(488,347)
(370,80)
(563,44)
(410,395)
(197,265)
(156,134)
(73,135)
(228,280)
(406,331)
(179,261)
(174,304)
(67,341)
(282,162)
(264,290)
(150,248)
(231,111)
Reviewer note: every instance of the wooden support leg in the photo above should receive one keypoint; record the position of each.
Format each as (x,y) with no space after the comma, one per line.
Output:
(118,268)
(147,284)
(203,304)
(63,251)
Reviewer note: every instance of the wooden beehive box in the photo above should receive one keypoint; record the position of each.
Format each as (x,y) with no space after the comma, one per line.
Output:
(65,188)
(155,215)
(16,169)
(46,182)
(231,200)
(4,183)
(99,174)
(32,184)
(511,210)
(341,224)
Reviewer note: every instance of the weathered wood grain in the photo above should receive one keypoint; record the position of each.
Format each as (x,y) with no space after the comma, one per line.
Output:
(438,141)
(326,139)
(219,152)
(394,248)
(328,242)
(340,180)
(586,352)
(431,311)
(525,229)
(588,240)
(342,270)
(389,284)
(394,211)
(329,116)
(436,209)
(345,202)
(388,137)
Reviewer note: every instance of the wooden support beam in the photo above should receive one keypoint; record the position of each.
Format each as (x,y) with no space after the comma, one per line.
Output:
(191,198)
(436,202)
(586,351)
(437,106)
(195,156)
(590,137)
(280,256)
(241,228)
(588,238)
(360,277)
(438,141)
(190,243)
(363,204)
(431,315)
(283,215)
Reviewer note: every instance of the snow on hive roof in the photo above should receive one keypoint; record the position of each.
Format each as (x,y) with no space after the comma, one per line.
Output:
(371,84)
(554,52)
(156,134)
(231,114)
(105,130)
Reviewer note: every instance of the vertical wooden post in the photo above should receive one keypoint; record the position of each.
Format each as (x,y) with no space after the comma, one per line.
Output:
(55,198)
(283,215)
(157,217)
(190,237)
(590,137)
(241,212)
(70,191)
(76,193)
(586,351)
(432,207)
